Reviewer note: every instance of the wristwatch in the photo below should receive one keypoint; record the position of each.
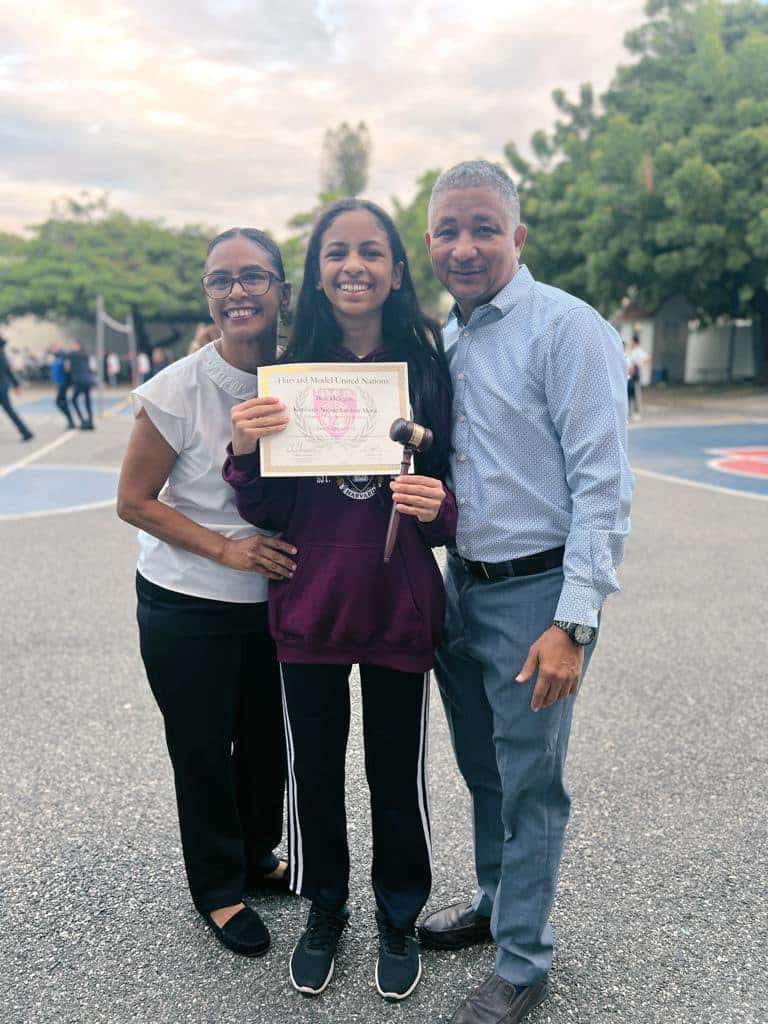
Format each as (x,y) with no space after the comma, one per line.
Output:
(581,635)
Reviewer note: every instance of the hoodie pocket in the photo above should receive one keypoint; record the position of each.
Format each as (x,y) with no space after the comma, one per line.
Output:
(343,595)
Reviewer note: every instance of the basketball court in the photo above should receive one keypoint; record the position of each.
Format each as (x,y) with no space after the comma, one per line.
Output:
(661,912)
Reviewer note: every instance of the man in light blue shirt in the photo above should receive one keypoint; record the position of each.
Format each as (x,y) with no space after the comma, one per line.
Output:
(543,487)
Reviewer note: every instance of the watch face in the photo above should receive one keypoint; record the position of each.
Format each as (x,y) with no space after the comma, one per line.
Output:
(583,635)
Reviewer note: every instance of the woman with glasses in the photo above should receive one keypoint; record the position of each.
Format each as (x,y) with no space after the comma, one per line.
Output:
(202,594)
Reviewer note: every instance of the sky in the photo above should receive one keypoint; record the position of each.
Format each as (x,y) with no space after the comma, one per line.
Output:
(214,112)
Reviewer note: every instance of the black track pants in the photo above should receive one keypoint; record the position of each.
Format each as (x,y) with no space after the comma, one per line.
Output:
(395,717)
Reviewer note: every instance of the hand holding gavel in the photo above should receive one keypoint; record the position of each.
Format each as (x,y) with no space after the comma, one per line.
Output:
(419,496)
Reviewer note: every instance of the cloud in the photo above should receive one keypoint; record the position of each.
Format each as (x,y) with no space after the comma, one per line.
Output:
(215,112)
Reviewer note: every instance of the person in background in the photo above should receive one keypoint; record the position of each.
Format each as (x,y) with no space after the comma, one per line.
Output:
(203,334)
(9,380)
(143,366)
(637,358)
(160,360)
(82,378)
(59,371)
(112,366)
(201,584)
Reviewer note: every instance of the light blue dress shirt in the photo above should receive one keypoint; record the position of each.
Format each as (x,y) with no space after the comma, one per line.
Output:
(540,437)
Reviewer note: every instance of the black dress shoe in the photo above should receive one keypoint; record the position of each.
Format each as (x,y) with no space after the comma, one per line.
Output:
(498,1002)
(454,927)
(244,933)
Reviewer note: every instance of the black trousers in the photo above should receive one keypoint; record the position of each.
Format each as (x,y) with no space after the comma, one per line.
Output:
(85,391)
(18,422)
(395,719)
(212,669)
(62,403)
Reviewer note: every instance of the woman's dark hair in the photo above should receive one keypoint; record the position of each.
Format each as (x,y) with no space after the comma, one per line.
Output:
(409,335)
(260,238)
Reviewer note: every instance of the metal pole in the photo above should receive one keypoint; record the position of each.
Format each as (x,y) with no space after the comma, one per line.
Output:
(132,348)
(100,353)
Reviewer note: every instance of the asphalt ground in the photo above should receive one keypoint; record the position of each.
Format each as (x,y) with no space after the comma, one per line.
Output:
(661,913)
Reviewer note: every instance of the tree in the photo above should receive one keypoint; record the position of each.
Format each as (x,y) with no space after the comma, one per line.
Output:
(346,155)
(344,172)
(664,191)
(86,249)
(411,220)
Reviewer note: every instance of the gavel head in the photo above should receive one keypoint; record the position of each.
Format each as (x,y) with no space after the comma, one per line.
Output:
(411,435)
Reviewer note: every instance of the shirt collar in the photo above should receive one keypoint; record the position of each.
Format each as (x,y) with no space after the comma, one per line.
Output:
(503,301)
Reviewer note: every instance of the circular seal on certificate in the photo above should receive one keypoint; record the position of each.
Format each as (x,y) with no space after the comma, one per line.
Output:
(345,414)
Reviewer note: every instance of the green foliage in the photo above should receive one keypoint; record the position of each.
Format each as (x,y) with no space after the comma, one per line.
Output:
(664,191)
(411,220)
(85,249)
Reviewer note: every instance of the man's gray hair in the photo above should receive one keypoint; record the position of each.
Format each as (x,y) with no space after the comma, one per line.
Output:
(479,174)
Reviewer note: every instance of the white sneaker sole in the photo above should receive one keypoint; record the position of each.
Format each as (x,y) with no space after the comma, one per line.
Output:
(396,997)
(305,990)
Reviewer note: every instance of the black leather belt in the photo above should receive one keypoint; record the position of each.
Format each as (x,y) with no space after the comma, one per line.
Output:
(527,566)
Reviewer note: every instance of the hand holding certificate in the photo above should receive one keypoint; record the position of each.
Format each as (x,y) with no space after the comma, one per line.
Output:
(324,419)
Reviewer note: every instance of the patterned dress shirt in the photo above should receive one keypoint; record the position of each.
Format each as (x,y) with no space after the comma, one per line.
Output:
(540,437)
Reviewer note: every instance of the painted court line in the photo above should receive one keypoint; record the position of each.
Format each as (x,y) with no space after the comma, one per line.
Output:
(59,511)
(695,483)
(34,456)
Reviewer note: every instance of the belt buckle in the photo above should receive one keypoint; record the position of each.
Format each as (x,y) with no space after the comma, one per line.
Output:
(485,571)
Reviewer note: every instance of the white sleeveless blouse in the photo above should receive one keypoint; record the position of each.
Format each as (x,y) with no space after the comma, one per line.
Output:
(190,403)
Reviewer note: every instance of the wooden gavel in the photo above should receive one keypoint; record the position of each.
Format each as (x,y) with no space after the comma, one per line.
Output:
(414,438)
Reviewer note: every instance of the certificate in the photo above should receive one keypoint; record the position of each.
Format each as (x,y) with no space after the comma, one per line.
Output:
(340,415)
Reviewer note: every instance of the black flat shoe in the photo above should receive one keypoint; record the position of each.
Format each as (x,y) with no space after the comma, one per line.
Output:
(244,933)
(263,883)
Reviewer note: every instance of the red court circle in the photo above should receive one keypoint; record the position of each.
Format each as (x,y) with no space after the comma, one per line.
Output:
(751,462)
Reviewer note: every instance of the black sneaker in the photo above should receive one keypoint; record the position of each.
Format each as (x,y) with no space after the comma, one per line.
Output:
(398,969)
(313,958)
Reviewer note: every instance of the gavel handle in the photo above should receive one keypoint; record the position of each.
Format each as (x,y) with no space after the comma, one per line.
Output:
(394,519)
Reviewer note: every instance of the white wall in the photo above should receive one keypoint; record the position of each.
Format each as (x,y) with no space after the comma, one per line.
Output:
(707,352)
(36,335)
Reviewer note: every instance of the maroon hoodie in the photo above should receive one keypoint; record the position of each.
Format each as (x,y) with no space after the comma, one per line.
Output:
(344,605)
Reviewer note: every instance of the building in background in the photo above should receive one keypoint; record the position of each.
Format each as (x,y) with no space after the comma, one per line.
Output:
(683,351)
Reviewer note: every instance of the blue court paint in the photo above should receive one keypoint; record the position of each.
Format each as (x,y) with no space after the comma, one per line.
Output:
(685,452)
(46,490)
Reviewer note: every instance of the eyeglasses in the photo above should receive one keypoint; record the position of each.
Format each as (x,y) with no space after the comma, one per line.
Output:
(217,285)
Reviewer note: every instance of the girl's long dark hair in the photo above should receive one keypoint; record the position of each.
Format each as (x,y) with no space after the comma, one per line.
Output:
(409,335)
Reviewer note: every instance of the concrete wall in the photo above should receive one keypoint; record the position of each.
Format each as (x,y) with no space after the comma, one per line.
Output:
(708,354)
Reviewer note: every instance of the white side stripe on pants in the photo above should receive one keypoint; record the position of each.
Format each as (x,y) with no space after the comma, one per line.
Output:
(421,768)
(295,851)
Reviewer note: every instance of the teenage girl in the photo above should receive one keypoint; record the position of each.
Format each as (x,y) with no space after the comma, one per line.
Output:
(202,595)
(343,605)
